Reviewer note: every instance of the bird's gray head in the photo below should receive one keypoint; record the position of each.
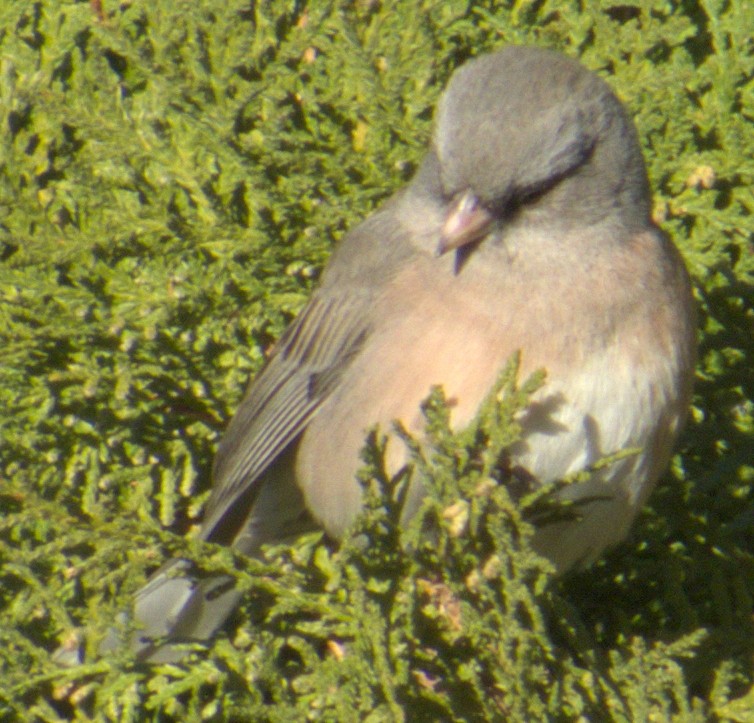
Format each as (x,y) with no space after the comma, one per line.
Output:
(526,128)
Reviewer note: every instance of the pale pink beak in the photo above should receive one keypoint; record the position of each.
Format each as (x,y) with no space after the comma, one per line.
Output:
(467,221)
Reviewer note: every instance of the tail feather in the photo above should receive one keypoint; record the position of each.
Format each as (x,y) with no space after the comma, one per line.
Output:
(172,609)
(175,608)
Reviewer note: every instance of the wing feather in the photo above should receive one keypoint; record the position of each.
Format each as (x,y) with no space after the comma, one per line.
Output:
(302,371)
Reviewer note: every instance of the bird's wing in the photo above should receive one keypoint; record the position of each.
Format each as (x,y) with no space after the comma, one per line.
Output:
(306,364)
(304,368)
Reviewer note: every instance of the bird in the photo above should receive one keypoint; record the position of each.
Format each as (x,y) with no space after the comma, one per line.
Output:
(526,228)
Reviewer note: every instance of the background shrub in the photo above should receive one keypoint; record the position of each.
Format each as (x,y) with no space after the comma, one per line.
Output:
(173,175)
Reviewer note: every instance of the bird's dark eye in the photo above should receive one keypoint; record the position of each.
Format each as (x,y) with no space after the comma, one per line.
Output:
(532,195)
(511,204)
(529,195)
(500,207)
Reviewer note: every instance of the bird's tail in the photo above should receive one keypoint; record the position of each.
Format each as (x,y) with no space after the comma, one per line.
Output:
(172,608)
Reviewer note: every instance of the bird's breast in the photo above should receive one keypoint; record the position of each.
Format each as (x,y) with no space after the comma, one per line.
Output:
(612,378)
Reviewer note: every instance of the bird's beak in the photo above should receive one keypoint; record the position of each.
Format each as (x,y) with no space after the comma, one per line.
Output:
(467,221)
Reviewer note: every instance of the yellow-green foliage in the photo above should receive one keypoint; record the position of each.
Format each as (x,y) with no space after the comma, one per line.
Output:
(173,174)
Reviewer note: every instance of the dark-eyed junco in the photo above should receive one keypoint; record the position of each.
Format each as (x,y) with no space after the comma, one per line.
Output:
(527,227)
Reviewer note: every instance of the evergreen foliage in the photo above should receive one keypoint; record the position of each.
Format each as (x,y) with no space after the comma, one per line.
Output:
(173,174)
